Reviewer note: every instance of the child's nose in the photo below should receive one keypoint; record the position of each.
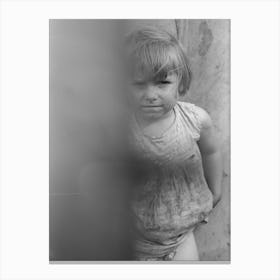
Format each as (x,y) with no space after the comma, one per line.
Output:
(151,93)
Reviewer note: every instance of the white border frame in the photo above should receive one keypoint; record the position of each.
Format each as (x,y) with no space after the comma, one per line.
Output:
(254,138)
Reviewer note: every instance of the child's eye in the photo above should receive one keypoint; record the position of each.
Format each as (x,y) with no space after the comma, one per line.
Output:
(163,82)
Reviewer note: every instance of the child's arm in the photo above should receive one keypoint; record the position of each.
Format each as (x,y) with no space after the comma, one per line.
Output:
(211,155)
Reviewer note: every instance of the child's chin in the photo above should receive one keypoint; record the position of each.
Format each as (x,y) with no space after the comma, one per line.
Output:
(151,115)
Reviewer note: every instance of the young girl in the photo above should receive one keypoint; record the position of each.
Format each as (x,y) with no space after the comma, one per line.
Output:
(178,163)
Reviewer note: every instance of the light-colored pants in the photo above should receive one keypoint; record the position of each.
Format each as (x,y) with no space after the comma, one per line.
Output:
(186,250)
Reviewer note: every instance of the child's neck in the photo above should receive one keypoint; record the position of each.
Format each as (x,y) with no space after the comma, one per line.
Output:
(157,126)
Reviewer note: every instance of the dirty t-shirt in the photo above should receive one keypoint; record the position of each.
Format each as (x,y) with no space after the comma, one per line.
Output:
(170,195)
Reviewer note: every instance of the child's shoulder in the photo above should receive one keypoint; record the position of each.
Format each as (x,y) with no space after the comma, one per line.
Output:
(191,107)
(197,115)
(186,106)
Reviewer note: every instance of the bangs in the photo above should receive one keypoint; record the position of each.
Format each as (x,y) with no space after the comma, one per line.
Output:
(156,61)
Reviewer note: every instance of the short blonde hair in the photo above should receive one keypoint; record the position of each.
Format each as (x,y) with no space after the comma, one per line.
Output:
(155,53)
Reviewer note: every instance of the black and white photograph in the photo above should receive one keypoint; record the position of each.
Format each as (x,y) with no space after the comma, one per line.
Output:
(139,140)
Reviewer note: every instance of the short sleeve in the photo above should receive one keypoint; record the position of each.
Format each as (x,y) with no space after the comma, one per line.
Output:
(190,116)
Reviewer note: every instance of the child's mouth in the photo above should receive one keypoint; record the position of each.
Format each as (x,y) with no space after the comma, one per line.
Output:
(151,106)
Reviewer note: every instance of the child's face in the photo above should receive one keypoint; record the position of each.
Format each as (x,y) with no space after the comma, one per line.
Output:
(153,99)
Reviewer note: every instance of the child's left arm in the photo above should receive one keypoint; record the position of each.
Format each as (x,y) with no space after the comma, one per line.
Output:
(211,155)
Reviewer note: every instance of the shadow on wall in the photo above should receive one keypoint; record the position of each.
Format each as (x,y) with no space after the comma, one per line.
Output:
(88,188)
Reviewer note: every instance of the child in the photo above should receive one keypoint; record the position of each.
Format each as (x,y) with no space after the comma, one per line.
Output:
(178,171)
